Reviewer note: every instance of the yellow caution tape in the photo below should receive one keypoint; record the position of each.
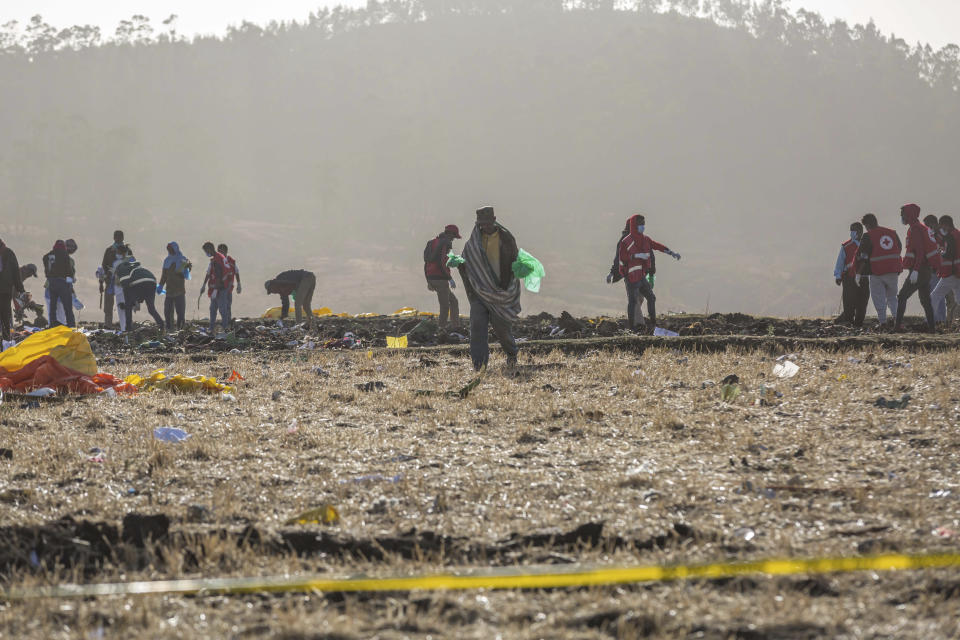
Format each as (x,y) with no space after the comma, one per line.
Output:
(539,577)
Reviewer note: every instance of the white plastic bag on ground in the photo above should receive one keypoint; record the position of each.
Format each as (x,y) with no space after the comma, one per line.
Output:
(785,369)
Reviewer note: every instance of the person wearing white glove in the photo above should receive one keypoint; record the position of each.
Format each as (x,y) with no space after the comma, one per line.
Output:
(920,256)
(856,289)
(58,268)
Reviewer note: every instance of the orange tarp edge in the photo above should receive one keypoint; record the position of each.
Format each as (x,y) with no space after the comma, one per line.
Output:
(45,371)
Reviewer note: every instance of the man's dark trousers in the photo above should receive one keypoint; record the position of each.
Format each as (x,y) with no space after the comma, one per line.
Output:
(855,299)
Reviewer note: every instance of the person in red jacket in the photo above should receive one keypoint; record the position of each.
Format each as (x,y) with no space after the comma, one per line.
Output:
(921,256)
(439,278)
(636,251)
(879,260)
(949,271)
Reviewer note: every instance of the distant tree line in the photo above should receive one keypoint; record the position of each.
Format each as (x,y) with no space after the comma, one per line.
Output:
(749,135)
(766,19)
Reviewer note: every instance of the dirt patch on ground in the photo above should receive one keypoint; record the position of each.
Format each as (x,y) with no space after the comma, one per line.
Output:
(601,455)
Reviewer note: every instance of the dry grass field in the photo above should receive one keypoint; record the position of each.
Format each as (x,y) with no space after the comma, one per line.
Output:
(603,457)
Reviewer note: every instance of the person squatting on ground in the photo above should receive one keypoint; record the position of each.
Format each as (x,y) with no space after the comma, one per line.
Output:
(939,312)
(173,284)
(492,288)
(614,275)
(11,285)
(24,301)
(635,251)
(105,276)
(439,278)
(139,285)
(232,273)
(880,263)
(920,259)
(58,269)
(300,284)
(949,271)
(856,291)
(215,283)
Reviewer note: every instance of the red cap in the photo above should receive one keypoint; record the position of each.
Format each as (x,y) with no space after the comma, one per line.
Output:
(453,230)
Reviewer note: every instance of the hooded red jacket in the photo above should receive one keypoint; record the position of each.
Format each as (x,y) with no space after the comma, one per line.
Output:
(636,251)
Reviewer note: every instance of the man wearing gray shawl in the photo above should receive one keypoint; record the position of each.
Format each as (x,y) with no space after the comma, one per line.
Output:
(492,288)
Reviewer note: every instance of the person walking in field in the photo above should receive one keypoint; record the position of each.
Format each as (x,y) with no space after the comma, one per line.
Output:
(58,269)
(880,262)
(920,259)
(949,271)
(933,225)
(855,292)
(232,276)
(299,284)
(214,283)
(614,275)
(439,278)
(105,276)
(635,252)
(492,288)
(11,285)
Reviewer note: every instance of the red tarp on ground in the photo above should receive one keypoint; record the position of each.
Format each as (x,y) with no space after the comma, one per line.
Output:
(47,372)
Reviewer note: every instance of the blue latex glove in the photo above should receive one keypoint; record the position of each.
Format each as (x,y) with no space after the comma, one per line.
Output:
(160,290)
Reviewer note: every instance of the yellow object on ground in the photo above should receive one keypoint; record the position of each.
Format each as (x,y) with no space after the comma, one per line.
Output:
(399,342)
(405,311)
(158,380)
(366,315)
(68,347)
(273,313)
(326,514)
(320,313)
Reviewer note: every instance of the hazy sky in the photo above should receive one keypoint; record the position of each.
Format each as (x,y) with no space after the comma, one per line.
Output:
(933,21)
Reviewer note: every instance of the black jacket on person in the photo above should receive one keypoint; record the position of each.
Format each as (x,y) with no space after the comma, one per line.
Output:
(57,264)
(109,257)
(11,283)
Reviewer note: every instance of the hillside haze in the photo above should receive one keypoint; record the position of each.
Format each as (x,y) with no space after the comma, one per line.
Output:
(750,138)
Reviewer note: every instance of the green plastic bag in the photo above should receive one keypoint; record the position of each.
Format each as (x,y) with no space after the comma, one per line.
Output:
(529,269)
(454,261)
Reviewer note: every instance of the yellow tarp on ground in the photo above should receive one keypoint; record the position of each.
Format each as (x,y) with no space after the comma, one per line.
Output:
(158,380)
(68,347)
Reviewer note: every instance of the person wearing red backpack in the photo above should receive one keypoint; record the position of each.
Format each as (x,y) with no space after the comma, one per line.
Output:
(439,278)
(920,258)
(949,265)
